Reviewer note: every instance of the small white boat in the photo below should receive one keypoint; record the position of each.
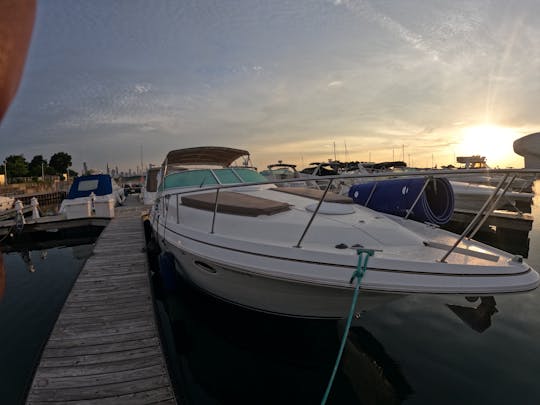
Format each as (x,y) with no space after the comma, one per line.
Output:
(285,251)
(149,189)
(471,196)
(474,162)
(92,195)
(282,171)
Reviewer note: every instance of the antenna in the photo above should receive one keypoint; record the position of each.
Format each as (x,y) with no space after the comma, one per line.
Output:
(142,167)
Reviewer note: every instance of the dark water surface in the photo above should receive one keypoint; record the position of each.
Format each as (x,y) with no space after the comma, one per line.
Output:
(37,277)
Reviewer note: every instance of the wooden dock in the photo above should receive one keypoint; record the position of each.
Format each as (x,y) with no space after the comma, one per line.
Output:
(105,346)
(498,218)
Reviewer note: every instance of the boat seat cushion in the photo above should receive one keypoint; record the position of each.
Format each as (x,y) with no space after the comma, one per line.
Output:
(235,203)
(315,194)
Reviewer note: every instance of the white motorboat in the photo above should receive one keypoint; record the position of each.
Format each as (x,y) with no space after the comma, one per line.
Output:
(471,196)
(475,162)
(149,189)
(282,171)
(92,195)
(285,251)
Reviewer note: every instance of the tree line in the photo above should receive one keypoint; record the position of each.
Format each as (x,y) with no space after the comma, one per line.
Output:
(17,166)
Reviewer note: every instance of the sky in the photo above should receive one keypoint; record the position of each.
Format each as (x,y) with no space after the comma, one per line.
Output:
(296,80)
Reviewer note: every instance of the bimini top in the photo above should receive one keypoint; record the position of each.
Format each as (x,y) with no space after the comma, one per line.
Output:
(205,155)
(83,186)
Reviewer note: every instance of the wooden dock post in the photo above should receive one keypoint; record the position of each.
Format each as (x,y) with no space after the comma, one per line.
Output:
(105,346)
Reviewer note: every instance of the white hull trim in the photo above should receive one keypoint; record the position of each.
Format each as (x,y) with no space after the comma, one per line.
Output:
(272,295)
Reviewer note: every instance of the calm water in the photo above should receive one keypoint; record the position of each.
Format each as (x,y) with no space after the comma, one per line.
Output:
(37,277)
(415,351)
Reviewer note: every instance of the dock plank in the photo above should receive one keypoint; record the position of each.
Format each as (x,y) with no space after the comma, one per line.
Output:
(105,347)
(161,395)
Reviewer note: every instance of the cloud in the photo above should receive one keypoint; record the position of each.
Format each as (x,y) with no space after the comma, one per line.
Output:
(335,83)
(280,78)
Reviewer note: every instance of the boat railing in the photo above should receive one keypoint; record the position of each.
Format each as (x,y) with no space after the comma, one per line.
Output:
(470,231)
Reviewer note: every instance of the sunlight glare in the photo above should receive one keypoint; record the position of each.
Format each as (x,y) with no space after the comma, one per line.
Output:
(491,141)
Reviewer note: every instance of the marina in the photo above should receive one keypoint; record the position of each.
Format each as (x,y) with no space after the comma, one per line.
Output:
(121,333)
(308,202)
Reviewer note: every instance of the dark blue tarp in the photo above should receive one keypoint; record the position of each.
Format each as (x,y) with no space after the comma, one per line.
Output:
(83,186)
(436,205)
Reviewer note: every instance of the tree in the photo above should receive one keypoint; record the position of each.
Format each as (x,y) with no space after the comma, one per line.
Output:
(60,162)
(36,164)
(17,166)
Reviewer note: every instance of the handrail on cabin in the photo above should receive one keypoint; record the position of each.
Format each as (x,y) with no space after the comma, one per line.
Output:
(476,218)
(476,222)
(298,245)
(215,210)
(491,209)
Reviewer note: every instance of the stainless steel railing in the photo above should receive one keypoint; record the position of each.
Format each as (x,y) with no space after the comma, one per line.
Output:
(469,232)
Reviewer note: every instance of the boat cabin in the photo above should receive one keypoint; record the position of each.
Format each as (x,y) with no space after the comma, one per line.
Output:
(99,184)
(212,177)
(473,162)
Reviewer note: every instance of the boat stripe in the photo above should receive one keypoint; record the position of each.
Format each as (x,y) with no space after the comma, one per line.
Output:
(528,270)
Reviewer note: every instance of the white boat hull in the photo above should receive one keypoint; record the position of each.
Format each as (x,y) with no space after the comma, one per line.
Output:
(472,197)
(270,294)
(284,285)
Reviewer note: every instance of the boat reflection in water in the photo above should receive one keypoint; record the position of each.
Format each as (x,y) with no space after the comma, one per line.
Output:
(374,376)
(221,353)
(479,318)
(37,271)
(25,256)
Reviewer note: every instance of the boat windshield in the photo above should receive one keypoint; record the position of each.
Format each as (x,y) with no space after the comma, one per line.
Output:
(208,177)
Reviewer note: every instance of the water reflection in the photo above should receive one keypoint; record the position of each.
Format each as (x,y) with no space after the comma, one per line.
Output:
(375,377)
(25,256)
(221,353)
(36,274)
(478,318)
(44,240)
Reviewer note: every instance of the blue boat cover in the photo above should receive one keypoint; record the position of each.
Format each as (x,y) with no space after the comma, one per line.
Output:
(395,197)
(83,186)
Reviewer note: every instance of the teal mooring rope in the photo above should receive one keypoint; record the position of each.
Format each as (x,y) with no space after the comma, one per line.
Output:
(363,257)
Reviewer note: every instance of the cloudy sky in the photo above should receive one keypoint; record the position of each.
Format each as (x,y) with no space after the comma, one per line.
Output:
(423,80)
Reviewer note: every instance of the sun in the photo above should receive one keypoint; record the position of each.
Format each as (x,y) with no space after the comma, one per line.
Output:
(493,142)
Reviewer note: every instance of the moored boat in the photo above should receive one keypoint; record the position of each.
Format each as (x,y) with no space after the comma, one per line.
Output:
(149,189)
(292,251)
(92,195)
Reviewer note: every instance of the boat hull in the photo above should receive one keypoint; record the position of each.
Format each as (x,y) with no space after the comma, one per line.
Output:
(272,295)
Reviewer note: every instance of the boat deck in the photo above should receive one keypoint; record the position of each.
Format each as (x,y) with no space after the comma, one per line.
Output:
(105,346)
